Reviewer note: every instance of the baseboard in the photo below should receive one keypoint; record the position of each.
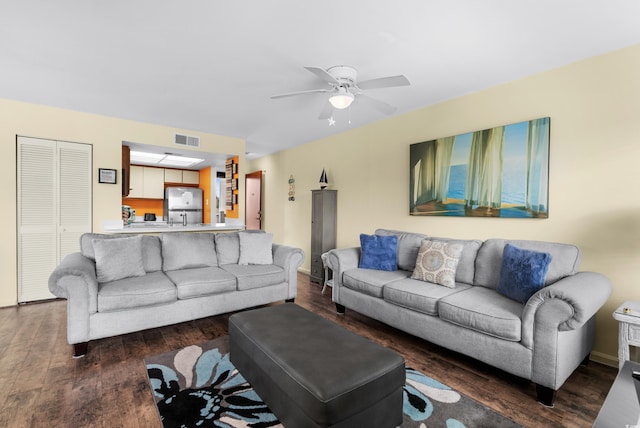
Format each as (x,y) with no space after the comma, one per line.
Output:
(606,359)
(305,271)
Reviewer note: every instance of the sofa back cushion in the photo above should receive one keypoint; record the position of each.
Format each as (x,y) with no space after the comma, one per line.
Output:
(565,260)
(408,247)
(151,248)
(227,248)
(184,250)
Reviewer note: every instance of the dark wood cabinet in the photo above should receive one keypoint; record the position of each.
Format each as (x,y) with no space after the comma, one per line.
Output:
(126,172)
(323,229)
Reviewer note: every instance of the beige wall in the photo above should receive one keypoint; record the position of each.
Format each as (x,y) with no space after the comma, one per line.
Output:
(594,107)
(106,135)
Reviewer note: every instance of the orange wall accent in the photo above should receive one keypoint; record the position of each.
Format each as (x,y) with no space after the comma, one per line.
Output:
(208,199)
(145,206)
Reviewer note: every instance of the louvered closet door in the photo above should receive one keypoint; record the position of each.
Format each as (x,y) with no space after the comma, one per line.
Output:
(74,202)
(54,208)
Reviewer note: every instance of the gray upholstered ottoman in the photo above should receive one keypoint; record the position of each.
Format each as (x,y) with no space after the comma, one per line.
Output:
(314,373)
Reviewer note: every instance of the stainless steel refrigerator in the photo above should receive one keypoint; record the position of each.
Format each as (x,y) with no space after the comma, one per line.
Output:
(183,205)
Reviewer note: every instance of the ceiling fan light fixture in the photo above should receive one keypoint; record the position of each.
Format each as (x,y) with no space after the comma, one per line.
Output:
(341,99)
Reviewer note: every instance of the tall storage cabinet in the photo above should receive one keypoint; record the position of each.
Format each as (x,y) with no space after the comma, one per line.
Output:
(323,229)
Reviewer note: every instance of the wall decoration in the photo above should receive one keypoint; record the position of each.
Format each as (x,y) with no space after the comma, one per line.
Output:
(497,172)
(292,189)
(107,175)
(323,179)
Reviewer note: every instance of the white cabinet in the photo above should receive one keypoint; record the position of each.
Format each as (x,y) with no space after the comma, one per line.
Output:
(173,176)
(154,183)
(183,176)
(54,209)
(136,181)
(146,182)
(190,177)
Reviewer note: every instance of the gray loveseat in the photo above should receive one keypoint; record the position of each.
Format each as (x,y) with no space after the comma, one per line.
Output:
(543,339)
(119,284)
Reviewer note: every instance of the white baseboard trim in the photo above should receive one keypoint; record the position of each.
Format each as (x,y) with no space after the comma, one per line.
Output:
(606,359)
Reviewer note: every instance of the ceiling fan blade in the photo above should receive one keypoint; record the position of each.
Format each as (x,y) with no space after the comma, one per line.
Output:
(381,106)
(327,111)
(322,73)
(291,94)
(384,82)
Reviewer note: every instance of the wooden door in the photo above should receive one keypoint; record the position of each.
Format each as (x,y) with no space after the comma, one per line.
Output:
(253,201)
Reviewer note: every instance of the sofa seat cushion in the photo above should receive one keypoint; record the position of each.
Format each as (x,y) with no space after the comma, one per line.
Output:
(483,310)
(151,289)
(417,295)
(370,281)
(201,281)
(256,276)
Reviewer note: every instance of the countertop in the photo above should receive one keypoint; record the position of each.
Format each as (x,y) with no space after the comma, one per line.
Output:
(161,227)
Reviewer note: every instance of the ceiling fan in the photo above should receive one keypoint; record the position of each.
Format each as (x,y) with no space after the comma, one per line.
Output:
(344,88)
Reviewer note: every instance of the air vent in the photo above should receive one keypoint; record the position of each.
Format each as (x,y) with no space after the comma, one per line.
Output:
(187,140)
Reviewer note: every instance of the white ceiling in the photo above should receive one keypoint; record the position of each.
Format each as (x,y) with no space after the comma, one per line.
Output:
(212,65)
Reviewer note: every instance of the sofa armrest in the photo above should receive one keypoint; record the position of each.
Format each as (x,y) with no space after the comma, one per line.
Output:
(75,265)
(290,259)
(558,324)
(75,279)
(339,261)
(584,294)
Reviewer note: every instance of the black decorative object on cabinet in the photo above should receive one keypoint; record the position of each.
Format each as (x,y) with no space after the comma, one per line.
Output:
(323,229)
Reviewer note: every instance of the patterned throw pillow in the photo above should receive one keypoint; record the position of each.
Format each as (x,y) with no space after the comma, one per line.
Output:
(437,262)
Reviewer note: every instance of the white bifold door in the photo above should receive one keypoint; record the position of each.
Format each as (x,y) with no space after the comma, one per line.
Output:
(54,209)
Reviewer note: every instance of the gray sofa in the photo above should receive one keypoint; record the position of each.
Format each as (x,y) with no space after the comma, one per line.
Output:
(543,339)
(119,284)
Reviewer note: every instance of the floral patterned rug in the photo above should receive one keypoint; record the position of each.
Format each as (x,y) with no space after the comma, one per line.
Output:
(197,386)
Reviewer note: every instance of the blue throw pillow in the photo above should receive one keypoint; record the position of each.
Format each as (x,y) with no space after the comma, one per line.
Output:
(379,252)
(523,272)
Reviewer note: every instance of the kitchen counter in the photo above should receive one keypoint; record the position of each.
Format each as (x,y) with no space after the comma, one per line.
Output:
(161,227)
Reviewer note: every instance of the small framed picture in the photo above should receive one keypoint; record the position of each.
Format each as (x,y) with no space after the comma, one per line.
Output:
(107,176)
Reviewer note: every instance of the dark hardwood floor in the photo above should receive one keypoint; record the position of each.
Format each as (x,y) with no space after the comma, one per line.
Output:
(41,385)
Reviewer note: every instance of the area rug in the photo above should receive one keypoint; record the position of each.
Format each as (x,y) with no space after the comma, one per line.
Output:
(197,386)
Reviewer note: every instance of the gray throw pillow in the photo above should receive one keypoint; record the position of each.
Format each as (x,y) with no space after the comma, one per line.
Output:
(118,258)
(227,248)
(255,248)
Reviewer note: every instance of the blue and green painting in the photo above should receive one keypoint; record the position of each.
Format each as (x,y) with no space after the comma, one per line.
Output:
(496,172)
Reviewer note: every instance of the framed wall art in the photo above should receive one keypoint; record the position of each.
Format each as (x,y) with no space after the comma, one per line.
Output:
(108,176)
(496,172)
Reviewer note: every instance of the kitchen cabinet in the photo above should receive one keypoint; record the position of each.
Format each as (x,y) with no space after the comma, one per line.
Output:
(323,229)
(190,177)
(126,160)
(183,176)
(172,175)
(146,182)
